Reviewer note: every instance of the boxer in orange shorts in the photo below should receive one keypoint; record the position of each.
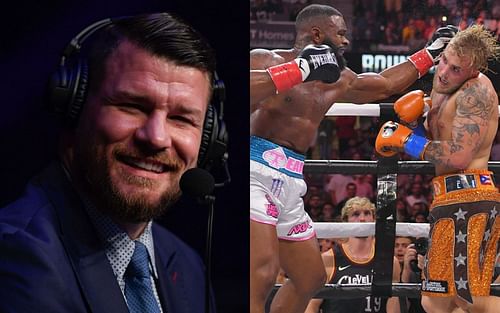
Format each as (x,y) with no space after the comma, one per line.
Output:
(456,137)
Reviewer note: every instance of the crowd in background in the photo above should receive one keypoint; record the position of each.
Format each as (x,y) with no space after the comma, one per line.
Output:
(397,25)
(411,23)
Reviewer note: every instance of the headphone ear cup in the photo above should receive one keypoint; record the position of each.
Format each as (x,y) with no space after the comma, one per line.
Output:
(209,129)
(79,90)
(67,90)
(57,92)
(213,140)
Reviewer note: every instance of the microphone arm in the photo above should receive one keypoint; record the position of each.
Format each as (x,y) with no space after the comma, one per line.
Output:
(209,200)
(200,184)
(227,179)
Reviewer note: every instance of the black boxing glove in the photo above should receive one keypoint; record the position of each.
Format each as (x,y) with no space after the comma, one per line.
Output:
(440,40)
(424,59)
(314,62)
(321,62)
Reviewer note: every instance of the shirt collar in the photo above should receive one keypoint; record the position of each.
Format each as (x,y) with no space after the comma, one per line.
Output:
(119,246)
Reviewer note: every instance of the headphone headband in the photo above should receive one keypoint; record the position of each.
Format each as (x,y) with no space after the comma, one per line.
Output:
(75,44)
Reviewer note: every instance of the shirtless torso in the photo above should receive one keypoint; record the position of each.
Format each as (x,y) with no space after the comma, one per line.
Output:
(291,119)
(463,115)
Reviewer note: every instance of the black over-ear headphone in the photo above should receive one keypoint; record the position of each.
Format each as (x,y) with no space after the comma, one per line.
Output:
(68,87)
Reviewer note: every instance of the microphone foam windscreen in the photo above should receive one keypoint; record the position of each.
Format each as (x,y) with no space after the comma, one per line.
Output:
(197,182)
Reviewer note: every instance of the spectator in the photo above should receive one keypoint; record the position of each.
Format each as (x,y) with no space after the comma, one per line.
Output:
(402,214)
(391,34)
(465,18)
(329,213)
(351,192)
(416,194)
(416,210)
(363,187)
(408,31)
(317,190)
(421,216)
(413,274)
(400,245)
(314,207)
(336,186)
(353,261)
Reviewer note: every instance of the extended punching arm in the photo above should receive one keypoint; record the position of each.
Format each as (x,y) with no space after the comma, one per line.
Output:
(313,63)
(424,59)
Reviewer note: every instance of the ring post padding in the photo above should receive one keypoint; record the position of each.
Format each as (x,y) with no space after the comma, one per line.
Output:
(385,227)
(387,112)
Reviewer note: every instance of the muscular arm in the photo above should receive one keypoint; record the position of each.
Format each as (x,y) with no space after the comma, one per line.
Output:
(474,109)
(261,85)
(369,87)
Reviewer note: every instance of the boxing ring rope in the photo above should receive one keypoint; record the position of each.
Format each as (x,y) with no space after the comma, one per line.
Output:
(371,167)
(385,224)
(367,109)
(408,290)
(344,230)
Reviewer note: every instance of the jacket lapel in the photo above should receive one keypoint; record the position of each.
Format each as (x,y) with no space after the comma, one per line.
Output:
(95,276)
(172,287)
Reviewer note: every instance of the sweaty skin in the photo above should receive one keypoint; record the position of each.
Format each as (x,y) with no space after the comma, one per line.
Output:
(461,123)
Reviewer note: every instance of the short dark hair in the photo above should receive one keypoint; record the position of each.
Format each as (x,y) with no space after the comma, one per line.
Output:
(314,11)
(162,34)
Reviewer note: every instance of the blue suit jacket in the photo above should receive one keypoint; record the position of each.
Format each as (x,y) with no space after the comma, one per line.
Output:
(51,259)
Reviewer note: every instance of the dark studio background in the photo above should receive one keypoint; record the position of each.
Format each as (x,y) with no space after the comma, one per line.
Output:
(32,37)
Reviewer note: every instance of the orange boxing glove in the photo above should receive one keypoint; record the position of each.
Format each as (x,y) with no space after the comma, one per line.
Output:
(394,137)
(410,106)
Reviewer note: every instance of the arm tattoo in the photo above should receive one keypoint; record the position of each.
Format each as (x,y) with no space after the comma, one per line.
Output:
(473,110)
(434,153)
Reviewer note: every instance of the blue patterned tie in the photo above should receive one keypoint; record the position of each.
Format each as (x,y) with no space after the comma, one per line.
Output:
(138,289)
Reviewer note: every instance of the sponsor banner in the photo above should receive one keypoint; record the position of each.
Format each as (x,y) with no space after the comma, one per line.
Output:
(272,34)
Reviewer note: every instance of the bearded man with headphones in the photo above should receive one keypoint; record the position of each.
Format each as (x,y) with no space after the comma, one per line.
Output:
(138,111)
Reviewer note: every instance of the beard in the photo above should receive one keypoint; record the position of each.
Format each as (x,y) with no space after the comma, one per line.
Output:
(341,61)
(135,207)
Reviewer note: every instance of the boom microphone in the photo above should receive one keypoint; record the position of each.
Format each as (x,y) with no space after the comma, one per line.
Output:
(200,184)
(197,182)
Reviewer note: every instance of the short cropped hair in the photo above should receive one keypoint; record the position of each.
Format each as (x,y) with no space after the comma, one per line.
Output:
(162,34)
(313,12)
